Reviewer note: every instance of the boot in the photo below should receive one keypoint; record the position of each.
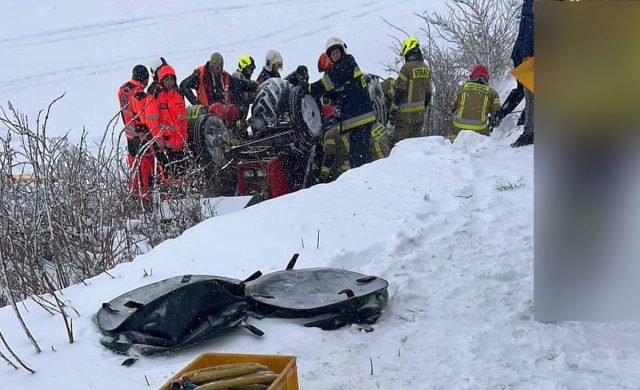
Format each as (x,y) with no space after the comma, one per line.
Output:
(524,139)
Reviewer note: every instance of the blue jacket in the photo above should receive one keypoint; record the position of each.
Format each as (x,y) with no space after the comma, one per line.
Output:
(523,47)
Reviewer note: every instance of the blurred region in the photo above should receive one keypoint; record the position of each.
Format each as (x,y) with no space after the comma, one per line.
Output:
(587,162)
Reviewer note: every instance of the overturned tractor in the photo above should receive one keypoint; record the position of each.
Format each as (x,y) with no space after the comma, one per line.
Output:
(279,151)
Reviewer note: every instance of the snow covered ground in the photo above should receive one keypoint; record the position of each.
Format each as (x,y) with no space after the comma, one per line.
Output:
(449,226)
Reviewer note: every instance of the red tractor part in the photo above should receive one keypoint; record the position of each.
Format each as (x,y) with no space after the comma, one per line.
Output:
(227,112)
(266,177)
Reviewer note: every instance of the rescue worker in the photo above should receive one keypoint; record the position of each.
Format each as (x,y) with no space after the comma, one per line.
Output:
(243,89)
(474,103)
(300,76)
(211,82)
(272,66)
(133,101)
(345,81)
(412,92)
(523,49)
(335,159)
(167,120)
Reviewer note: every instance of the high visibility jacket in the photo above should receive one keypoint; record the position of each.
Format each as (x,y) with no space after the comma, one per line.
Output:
(413,87)
(166,116)
(131,97)
(474,103)
(348,91)
(210,89)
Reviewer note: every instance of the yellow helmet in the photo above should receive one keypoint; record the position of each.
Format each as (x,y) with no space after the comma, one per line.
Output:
(246,61)
(408,45)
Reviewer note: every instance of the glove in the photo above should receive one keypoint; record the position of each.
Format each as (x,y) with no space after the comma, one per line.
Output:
(494,121)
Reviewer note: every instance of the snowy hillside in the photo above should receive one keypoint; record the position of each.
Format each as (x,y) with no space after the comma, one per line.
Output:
(87,49)
(450,227)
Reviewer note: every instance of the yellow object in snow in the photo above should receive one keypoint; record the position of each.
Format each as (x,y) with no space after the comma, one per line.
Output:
(524,73)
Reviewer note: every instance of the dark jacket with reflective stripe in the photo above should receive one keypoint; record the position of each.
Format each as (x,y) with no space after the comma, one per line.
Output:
(349,92)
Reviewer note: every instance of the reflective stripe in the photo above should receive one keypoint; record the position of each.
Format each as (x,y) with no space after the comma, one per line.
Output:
(182,118)
(378,149)
(325,171)
(327,83)
(476,87)
(412,107)
(132,132)
(378,132)
(127,112)
(357,72)
(402,77)
(153,116)
(470,124)
(483,113)
(357,121)
(461,108)
(410,92)
(345,140)
(329,142)
(345,167)
(469,121)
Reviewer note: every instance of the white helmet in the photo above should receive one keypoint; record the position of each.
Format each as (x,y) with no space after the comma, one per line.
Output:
(272,57)
(333,41)
(156,64)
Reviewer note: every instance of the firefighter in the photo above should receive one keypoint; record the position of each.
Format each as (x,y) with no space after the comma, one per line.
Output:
(412,92)
(133,101)
(272,66)
(345,81)
(243,89)
(211,82)
(335,160)
(475,102)
(166,117)
(300,76)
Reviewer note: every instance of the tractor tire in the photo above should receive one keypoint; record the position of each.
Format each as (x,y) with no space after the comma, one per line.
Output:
(270,102)
(210,140)
(305,116)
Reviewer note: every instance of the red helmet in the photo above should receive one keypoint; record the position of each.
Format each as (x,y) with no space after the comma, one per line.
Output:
(480,71)
(329,110)
(227,112)
(324,63)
